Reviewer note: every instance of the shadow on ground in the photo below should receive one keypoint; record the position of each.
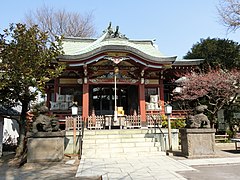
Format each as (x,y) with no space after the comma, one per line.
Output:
(232,151)
(44,170)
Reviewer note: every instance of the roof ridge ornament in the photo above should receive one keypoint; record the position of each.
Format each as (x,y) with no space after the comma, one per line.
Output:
(114,34)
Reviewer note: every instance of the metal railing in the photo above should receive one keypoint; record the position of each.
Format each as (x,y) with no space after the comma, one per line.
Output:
(153,119)
(76,124)
(154,122)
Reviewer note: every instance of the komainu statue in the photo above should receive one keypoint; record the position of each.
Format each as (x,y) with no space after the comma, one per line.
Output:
(199,120)
(44,123)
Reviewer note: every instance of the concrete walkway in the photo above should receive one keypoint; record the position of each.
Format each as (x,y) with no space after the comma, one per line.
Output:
(154,165)
(151,165)
(146,166)
(210,161)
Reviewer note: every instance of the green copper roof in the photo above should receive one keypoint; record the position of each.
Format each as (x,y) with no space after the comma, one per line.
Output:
(73,46)
(78,48)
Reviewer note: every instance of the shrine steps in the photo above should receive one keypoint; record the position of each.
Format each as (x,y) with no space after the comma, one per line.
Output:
(119,143)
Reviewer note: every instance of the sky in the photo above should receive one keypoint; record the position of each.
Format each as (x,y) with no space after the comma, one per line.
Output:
(175,24)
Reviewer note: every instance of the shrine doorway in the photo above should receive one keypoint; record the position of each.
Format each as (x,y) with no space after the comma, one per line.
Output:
(101,99)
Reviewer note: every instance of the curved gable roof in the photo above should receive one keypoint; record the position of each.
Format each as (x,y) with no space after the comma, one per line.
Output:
(82,48)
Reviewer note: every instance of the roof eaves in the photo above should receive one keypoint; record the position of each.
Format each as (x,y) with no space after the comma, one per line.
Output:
(8,111)
(188,62)
(107,48)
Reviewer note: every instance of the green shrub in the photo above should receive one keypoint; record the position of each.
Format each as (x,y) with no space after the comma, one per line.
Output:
(175,123)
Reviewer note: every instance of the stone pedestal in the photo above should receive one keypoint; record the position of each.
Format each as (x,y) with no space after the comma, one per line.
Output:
(45,146)
(198,142)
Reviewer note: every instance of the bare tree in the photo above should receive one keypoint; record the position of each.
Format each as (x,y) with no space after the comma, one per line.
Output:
(229,12)
(60,22)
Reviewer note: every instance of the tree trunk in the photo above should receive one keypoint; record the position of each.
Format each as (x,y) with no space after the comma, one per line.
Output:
(213,120)
(22,130)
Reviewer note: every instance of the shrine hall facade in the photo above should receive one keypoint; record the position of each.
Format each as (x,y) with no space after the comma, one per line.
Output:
(114,74)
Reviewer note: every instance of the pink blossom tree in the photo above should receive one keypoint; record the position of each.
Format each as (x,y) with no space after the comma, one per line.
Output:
(215,89)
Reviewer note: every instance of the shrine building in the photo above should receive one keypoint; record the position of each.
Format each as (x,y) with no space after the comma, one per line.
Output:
(114,77)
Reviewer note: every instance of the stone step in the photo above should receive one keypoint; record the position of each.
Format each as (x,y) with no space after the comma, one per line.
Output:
(117,140)
(99,152)
(115,136)
(120,145)
(118,134)
(115,131)
(124,155)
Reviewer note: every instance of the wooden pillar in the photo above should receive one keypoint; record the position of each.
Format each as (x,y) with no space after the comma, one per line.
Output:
(142,104)
(48,92)
(56,88)
(85,103)
(1,134)
(161,89)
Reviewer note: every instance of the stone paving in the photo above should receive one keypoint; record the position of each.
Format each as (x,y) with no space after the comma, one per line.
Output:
(153,165)
(211,161)
(147,166)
